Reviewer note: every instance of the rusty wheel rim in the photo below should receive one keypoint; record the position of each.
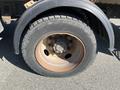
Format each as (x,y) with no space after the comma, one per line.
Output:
(61,52)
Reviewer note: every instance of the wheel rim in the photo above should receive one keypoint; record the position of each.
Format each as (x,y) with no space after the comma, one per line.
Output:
(60,52)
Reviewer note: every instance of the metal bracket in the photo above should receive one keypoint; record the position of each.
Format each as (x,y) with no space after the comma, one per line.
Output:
(6,19)
(116,54)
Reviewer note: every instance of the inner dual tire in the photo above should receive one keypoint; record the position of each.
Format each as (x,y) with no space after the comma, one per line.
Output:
(59,46)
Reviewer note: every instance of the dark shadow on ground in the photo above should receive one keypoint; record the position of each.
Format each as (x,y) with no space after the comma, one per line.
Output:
(7,50)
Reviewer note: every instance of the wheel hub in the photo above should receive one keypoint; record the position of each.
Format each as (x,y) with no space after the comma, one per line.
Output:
(60,46)
(60,52)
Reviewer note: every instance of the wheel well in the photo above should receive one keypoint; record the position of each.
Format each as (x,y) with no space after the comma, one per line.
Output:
(87,17)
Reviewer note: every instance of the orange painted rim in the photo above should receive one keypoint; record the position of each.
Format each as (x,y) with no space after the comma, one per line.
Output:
(51,61)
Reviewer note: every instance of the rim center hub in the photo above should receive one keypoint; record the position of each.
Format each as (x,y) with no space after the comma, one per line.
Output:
(60,46)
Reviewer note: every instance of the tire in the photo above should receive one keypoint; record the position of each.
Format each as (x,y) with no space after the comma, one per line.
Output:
(58,24)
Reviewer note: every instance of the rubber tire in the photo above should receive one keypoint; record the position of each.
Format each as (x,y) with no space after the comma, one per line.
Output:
(57,24)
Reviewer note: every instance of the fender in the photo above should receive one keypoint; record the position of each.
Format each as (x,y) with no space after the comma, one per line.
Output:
(44,5)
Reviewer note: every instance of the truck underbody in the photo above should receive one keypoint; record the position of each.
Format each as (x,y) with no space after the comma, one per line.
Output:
(12,9)
(15,8)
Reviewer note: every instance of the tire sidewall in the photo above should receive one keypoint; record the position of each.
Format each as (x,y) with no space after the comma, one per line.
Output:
(79,29)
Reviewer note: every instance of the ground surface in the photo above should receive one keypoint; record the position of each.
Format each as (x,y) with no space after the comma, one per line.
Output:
(104,74)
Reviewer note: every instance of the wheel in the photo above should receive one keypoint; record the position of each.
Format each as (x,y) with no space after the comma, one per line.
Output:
(59,46)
